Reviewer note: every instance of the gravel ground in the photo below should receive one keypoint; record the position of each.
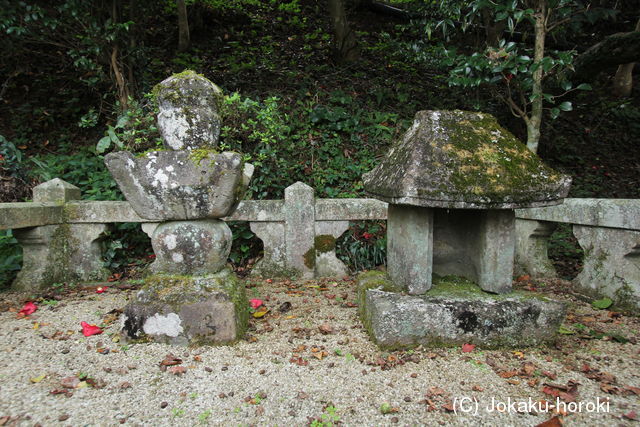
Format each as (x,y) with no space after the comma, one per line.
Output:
(308,365)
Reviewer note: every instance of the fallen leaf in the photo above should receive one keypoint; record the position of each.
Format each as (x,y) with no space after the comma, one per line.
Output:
(284,307)
(567,393)
(550,375)
(630,415)
(260,312)
(528,369)
(88,330)
(385,408)
(177,370)
(634,390)
(448,407)
(169,360)
(27,309)
(523,278)
(70,382)
(101,289)
(299,361)
(325,329)
(602,303)
(435,391)
(255,303)
(37,379)
(508,374)
(477,388)
(467,348)
(551,422)
(518,354)
(320,354)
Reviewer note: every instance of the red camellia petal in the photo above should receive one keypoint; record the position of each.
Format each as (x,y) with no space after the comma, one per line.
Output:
(467,348)
(255,303)
(88,330)
(28,308)
(101,289)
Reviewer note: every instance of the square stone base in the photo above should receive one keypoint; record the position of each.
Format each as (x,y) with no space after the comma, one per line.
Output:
(183,310)
(454,312)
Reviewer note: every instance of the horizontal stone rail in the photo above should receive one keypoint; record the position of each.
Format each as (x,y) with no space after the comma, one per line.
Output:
(60,236)
(608,231)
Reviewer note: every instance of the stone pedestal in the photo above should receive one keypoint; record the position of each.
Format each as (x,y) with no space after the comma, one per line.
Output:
(191,247)
(180,310)
(454,313)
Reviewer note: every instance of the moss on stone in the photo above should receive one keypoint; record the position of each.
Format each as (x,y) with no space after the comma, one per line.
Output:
(310,258)
(176,290)
(198,155)
(492,162)
(325,243)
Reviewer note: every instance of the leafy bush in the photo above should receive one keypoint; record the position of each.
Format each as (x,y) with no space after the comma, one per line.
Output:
(364,246)
(10,258)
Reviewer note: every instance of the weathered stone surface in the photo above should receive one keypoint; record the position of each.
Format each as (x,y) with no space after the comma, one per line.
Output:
(95,211)
(191,311)
(273,262)
(188,117)
(55,191)
(350,209)
(327,263)
(496,250)
(191,247)
(299,217)
(611,264)
(452,314)
(460,159)
(24,215)
(175,185)
(531,248)
(410,247)
(613,213)
(60,253)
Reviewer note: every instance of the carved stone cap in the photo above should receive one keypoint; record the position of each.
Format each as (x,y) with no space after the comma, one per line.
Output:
(466,160)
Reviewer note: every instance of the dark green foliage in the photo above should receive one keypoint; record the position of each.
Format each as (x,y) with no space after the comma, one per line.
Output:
(363,246)
(10,258)
(565,252)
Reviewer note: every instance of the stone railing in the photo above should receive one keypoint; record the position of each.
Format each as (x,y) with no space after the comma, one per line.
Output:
(60,236)
(608,231)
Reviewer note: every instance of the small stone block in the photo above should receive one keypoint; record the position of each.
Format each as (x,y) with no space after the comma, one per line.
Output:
(189,311)
(453,313)
(55,191)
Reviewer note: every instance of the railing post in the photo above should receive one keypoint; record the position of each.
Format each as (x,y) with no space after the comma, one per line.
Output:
(611,263)
(59,253)
(299,229)
(531,248)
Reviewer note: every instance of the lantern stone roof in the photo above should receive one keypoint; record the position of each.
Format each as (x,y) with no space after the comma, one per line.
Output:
(466,160)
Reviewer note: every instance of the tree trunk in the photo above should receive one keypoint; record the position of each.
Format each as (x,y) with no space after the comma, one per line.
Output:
(535,121)
(616,49)
(183,26)
(493,30)
(116,68)
(623,81)
(344,41)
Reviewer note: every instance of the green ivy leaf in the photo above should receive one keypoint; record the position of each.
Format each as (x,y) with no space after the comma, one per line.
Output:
(566,106)
(603,303)
(103,144)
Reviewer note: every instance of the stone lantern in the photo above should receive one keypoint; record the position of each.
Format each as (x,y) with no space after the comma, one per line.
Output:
(452,183)
(186,188)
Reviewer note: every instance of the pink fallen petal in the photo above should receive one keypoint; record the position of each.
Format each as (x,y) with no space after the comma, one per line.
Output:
(255,303)
(28,308)
(101,289)
(88,330)
(467,348)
